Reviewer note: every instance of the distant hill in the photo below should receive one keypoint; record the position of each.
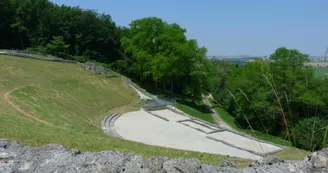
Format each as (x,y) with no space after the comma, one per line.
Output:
(233,57)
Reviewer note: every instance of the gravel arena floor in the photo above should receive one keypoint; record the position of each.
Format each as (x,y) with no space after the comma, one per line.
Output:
(144,127)
(180,132)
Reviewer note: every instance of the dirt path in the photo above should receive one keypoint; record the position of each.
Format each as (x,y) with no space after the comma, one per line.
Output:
(7,99)
(215,115)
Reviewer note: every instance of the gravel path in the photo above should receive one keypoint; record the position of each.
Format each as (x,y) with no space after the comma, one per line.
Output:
(141,95)
(215,115)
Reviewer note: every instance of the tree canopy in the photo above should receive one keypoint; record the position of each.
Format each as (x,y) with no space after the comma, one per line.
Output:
(34,23)
(273,95)
(160,54)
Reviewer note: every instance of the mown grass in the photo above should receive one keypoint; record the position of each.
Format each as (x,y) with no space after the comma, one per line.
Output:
(206,116)
(292,154)
(321,71)
(73,101)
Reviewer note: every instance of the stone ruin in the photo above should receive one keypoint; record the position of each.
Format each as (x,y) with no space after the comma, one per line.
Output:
(92,66)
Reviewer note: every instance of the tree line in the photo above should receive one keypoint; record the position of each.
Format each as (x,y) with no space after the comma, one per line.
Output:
(74,32)
(279,96)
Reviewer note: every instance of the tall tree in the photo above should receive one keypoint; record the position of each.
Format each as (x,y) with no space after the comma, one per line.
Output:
(160,53)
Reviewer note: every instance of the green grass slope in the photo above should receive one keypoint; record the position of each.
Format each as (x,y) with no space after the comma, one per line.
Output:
(321,71)
(46,102)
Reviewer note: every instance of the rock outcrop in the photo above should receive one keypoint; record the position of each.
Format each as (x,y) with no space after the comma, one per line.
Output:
(15,157)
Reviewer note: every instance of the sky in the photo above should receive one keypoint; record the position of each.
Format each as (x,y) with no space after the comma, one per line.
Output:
(231,27)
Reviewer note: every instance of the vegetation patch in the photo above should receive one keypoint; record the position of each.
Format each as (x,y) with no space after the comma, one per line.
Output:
(321,72)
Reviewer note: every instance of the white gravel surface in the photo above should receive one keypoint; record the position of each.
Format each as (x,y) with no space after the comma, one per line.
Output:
(143,127)
(244,142)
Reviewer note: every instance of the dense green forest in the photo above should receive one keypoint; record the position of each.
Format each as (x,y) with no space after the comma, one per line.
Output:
(278,96)
(36,24)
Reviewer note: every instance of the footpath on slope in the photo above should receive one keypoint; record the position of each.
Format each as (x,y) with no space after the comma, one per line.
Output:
(6,97)
(215,114)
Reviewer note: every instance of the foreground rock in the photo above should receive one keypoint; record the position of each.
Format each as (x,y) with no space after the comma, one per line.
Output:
(15,157)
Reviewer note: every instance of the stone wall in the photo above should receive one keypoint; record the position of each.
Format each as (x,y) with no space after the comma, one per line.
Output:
(24,55)
(15,157)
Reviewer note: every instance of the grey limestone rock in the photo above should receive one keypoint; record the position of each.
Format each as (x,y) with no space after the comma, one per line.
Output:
(15,157)
(227,164)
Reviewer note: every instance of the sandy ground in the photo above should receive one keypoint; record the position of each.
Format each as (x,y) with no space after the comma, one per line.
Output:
(143,127)
(244,142)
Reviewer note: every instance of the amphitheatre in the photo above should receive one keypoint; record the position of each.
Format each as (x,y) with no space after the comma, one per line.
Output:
(161,124)
(52,110)
(140,87)
(164,125)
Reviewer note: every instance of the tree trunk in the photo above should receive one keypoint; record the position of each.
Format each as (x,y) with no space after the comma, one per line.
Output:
(171,84)
(21,40)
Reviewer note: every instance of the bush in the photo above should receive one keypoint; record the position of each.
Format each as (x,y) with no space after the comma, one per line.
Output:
(81,59)
(309,134)
(38,49)
(58,47)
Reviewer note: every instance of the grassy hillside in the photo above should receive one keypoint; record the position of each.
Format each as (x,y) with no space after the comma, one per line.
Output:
(45,102)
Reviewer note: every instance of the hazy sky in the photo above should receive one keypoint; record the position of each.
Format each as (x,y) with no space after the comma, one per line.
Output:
(231,27)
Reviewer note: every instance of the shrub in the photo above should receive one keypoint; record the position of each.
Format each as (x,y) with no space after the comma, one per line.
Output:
(309,134)
(58,47)
(81,59)
(38,49)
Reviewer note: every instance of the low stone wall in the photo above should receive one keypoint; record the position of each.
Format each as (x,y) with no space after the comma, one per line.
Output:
(87,65)
(15,157)
(159,108)
(42,59)
(107,125)
(203,125)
